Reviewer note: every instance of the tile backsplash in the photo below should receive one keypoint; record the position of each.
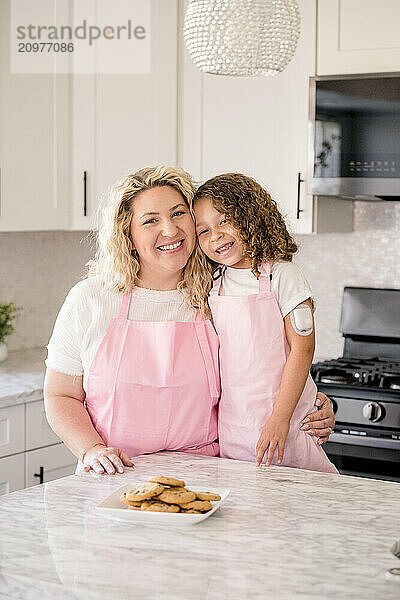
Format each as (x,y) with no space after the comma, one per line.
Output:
(367,257)
(38,268)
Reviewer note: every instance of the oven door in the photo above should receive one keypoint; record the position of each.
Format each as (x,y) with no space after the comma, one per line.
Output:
(360,446)
(364,456)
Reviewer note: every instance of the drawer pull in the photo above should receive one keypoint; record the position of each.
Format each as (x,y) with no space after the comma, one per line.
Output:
(299,181)
(40,474)
(84,194)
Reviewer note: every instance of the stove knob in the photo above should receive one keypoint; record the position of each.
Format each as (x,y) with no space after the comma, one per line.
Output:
(372,411)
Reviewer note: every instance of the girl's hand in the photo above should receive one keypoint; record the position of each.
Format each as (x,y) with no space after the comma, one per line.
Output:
(321,422)
(103,458)
(273,434)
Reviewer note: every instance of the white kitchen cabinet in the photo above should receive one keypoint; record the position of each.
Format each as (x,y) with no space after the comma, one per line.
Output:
(34,163)
(51,459)
(254,125)
(47,464)
(38,431)
(31,452)
(12,429)
(124,122)
(65,139)
(12,476)
(358,36)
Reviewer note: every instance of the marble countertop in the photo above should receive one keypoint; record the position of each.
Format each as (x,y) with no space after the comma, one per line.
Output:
(22,376)
(281,534)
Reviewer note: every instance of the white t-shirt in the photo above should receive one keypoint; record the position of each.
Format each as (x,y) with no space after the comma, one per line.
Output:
(84,318)
(288,284)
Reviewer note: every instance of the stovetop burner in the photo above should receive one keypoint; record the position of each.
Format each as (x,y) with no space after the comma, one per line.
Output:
(372,372)
(333,378)
(391,381)
(337,377)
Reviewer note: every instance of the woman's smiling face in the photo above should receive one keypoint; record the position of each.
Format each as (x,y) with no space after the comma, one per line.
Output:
(218,239)
(163,234)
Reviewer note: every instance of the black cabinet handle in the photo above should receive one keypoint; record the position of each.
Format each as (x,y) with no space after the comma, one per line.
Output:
(40,475)
(84,194)
(299,181)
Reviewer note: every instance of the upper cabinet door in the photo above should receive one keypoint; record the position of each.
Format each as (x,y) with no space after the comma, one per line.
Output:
(358,36)
(254,125)
(34,157)
(124,122)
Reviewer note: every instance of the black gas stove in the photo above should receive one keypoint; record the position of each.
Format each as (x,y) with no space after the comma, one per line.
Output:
(364,384)
(377,373)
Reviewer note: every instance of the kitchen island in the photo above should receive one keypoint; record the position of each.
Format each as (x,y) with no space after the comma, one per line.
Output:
(281,534)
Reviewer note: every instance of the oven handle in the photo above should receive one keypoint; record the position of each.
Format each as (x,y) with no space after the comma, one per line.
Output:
(358,440)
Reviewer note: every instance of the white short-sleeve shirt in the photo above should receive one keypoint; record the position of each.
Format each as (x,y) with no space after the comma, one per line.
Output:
(288,283)
(86,314)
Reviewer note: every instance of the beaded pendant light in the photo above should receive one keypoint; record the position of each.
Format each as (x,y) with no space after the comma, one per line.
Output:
(242,37)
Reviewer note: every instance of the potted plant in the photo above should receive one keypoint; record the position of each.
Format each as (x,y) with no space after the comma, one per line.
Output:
(8,312)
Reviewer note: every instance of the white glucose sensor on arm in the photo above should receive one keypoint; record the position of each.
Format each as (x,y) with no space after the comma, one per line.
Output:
(302,319)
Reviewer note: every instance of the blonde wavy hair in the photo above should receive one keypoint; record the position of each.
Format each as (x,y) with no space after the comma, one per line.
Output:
(115,263)
(250,209)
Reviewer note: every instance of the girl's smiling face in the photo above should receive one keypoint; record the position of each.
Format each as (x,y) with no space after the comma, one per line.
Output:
(218,239)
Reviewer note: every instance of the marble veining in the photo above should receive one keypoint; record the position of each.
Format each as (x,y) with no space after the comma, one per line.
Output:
(281,534)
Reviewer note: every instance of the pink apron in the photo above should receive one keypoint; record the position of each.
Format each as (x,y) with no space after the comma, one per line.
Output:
(253,354)
(155,386)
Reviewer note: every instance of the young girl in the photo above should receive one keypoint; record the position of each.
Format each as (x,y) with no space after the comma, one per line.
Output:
(263,313)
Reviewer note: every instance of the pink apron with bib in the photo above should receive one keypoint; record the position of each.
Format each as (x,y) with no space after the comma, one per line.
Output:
(155,386)
(253,354)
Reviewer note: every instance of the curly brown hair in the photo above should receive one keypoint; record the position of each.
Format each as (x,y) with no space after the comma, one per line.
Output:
(254,214)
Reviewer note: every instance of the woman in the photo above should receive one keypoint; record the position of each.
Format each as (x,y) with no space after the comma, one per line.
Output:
(132,366)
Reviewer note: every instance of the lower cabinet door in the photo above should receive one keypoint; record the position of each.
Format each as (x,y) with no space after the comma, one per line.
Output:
(12,429)
(12,476)
(38,431)
(46,464)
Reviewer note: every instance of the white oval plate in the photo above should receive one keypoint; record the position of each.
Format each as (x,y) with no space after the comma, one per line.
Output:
(113,507)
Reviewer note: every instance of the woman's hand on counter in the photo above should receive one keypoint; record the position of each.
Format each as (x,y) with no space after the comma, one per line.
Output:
(105,459)
(321,422)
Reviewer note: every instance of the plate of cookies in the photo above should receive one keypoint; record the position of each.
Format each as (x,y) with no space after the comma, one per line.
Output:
(163,501)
